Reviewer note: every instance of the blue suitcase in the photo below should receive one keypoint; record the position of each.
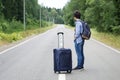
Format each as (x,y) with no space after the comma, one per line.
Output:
(62,56)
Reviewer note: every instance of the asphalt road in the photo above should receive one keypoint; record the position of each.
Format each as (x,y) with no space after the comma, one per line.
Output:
(33,59)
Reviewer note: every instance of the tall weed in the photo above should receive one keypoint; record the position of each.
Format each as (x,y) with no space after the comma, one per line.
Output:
(10,37)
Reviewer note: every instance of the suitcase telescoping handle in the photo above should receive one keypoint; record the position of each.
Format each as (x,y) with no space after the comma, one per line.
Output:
(60,39)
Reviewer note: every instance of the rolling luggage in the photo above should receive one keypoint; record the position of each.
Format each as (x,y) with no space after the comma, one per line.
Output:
(62,56)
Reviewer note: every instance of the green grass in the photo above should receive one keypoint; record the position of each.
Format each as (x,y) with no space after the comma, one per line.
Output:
(106,38)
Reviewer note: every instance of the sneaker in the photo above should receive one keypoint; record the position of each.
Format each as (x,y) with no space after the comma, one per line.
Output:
(77,68)
(81,68)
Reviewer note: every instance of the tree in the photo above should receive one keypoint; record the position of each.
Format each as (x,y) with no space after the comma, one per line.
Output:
(117,11)
(13,9)
(71,7)
(1,7)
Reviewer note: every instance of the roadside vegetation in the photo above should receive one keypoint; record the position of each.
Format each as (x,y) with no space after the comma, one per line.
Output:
(107,38)
(6,38)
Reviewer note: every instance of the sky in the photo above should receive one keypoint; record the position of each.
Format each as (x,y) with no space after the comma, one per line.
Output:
(59,4)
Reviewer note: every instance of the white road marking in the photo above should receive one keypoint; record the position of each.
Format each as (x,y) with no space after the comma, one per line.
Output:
(16,45)
(22,43)
(106,46)
(61,77)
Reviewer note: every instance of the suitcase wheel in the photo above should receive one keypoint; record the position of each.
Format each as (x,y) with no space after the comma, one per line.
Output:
(59,72)
(68,71)
(55,71)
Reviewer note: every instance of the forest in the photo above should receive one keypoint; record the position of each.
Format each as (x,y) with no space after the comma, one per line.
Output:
(11,15)
(103,15)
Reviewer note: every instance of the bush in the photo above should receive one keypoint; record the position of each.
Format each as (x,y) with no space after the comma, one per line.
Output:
(4,26)
(44,24)
(15,26)
(116,30)
(10,27)
(10,37)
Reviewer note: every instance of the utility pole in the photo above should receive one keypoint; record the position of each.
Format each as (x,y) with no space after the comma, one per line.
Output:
(40,16)
(24,15)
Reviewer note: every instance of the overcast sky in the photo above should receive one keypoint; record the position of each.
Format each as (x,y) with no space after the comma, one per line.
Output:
(53,3)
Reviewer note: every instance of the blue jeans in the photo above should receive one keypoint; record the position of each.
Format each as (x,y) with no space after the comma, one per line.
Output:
(80,53)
